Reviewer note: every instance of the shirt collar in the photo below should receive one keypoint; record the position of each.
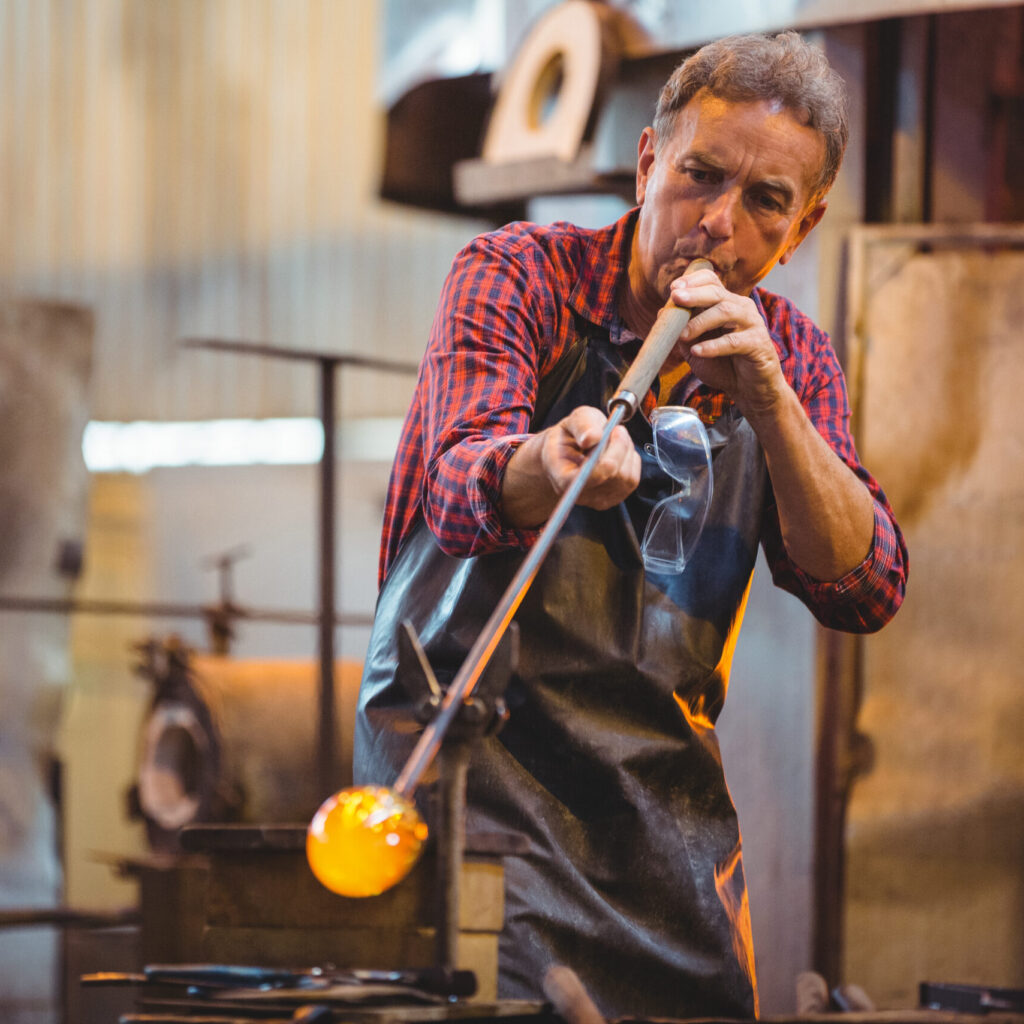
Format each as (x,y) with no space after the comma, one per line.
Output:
(605,262)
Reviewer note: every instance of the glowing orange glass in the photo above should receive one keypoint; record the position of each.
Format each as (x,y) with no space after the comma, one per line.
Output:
(364,840)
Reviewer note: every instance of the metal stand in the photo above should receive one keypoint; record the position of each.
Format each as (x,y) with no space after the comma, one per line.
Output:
(479,715)
(327,768)
(450,838)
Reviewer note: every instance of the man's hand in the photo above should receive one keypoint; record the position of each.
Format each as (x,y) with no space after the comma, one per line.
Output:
(545,465)
(825,512)
(738,357)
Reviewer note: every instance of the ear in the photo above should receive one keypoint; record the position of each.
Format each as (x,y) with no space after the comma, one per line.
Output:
(644,162)
(803,228)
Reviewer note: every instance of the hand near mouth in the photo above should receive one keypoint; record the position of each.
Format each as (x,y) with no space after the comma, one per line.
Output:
(727,344)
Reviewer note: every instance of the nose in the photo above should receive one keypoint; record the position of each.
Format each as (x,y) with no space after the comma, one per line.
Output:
(719,214)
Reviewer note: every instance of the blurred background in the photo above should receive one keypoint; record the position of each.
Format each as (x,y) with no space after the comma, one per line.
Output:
(182,181)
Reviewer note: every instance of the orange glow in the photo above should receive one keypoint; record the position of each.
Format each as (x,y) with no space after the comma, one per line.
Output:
(732,891)
(364,840)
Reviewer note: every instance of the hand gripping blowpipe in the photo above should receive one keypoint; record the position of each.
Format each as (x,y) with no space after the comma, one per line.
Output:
(653,353)
(365,839)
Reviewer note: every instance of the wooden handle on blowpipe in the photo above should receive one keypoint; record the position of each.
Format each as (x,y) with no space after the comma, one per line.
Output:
(654,351)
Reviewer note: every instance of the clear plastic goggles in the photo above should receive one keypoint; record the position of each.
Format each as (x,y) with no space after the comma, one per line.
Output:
(683,451)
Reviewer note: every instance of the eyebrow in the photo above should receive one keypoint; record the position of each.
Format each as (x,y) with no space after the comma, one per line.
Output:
(783,188)
(778,185)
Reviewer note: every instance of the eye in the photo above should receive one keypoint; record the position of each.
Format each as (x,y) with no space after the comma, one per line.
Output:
(769,202)
(700,175)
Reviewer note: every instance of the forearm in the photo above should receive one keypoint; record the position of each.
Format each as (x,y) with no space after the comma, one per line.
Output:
(527,495)
(826,514)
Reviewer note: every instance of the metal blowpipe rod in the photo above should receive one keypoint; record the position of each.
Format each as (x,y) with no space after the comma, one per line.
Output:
(623,404)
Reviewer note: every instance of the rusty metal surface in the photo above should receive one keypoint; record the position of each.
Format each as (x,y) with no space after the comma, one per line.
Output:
(935,835)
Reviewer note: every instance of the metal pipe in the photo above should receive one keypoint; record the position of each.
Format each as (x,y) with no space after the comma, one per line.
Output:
(653,353)
(480,653)
(326,756)
(169,610)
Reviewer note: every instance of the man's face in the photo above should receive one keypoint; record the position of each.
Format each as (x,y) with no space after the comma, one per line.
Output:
(732,183)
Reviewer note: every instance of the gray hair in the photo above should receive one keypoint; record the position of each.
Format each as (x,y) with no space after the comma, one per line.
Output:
(783,68)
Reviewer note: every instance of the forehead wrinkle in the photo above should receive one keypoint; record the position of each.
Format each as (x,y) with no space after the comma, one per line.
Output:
(704,157)
(782,185)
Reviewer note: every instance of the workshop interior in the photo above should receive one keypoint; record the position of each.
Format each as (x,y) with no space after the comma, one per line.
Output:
(226,225)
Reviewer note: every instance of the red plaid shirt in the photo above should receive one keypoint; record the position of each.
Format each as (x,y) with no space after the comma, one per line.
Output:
(505,316)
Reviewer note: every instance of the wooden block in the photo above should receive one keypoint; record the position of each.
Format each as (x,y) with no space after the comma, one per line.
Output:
(478,952)
(265,906)
(172,900)
(297,947)
(278,889)
(482,896)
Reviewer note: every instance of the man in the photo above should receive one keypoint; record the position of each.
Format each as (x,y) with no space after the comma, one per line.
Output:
(609,763)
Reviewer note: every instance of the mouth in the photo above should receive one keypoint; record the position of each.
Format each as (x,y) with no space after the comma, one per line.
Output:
(683,264)
(714,266)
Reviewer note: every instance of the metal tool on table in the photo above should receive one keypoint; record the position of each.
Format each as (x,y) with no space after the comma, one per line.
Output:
(364,840)
(422,985)
(979,999)
(240,992)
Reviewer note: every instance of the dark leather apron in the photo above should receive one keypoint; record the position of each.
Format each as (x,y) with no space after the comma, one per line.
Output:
(609,762)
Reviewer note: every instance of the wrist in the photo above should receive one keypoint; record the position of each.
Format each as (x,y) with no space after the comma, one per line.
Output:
(773,414)
(527,494)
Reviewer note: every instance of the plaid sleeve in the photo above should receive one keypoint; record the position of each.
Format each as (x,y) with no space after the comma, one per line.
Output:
(479,383)
(867,597)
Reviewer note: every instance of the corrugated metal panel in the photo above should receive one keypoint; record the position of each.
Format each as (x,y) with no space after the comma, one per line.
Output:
(207,167)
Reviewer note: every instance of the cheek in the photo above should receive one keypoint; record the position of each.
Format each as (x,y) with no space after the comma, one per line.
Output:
(672,224)
(772,236)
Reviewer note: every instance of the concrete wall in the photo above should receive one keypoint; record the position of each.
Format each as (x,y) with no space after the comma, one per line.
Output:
(45,353)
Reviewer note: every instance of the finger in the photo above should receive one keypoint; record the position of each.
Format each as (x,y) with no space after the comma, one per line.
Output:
(627,458)
(724,310)
(727,342)
(615,456)
(699,278)
(731,339)
(562,457)
(703,289)
(568,445)
(617,472)
(585,425)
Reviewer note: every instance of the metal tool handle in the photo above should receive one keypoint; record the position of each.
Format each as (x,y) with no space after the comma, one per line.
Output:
(655,350)
(480,653)
(642,372)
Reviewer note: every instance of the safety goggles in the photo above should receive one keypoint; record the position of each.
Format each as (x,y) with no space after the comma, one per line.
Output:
(683,451)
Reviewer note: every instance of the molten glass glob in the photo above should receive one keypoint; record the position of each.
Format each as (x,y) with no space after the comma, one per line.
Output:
(364,840)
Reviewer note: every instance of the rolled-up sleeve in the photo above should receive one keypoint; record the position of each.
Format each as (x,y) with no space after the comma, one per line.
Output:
(863,600)
(867,597)
(478,385)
